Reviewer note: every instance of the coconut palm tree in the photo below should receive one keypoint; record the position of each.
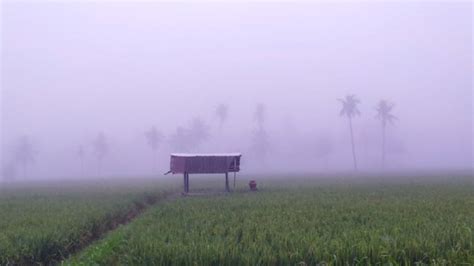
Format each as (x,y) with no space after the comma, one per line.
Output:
(384,114)
(154,138)
(222,112)
(350,110)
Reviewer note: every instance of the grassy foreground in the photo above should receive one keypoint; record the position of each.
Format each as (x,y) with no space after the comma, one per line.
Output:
(311,222)
(44,222)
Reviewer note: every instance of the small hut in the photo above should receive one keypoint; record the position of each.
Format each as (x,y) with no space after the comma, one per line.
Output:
(221,163)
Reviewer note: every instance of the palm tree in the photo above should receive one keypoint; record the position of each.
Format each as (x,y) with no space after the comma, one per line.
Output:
(101,148)
(222,112)
(154,138)
(349,109)
(384,109)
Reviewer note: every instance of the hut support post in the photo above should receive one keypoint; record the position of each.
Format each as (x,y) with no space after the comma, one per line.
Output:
(184,182)
(187,182)
(227,182)
(235,170)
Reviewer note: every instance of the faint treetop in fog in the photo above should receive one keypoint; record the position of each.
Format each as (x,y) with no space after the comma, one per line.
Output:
(101,148)
(384,114)
(222,111)
(24,153)
(188,139)
(349,106)
(260,114)
(179,140)
(199,132)
(350,110)
(154,138)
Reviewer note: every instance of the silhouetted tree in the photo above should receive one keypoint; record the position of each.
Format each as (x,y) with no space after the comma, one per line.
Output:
(25,153)
(187,139)
(222,112)
(154,138)
(101,148)
(384,114)
(199,132)
(350,110)
(179,140)
(81,154)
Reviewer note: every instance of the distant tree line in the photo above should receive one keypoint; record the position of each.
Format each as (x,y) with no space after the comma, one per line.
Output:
(189,138)
(24,154)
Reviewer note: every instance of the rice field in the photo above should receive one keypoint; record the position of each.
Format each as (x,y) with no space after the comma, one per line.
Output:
(42,223)
(304,221)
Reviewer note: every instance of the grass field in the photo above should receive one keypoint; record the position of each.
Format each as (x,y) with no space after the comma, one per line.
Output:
(338,221)
(44,222)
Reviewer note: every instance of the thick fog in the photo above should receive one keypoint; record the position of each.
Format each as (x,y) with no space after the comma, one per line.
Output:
(84,83)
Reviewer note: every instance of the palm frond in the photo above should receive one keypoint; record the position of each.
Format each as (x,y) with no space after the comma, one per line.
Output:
(384,109)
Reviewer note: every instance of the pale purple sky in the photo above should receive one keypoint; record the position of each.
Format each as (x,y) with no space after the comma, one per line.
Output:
(70,70)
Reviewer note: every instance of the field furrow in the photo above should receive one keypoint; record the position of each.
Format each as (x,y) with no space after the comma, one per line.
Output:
(45,223)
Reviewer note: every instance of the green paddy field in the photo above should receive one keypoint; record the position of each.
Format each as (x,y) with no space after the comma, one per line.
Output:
(291,220)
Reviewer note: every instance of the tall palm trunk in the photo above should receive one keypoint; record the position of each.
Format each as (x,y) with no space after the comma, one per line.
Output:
(383,145)
(352,143)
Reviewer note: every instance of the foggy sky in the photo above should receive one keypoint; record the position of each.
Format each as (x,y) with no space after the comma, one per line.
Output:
(72,70)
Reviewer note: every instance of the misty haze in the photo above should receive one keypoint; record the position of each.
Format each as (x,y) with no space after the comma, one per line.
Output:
(347,117)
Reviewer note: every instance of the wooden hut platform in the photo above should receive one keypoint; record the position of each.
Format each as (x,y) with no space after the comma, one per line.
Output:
(204,163)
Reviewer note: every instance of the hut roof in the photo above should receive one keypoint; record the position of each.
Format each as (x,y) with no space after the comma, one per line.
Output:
(204,163)
(206,154)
